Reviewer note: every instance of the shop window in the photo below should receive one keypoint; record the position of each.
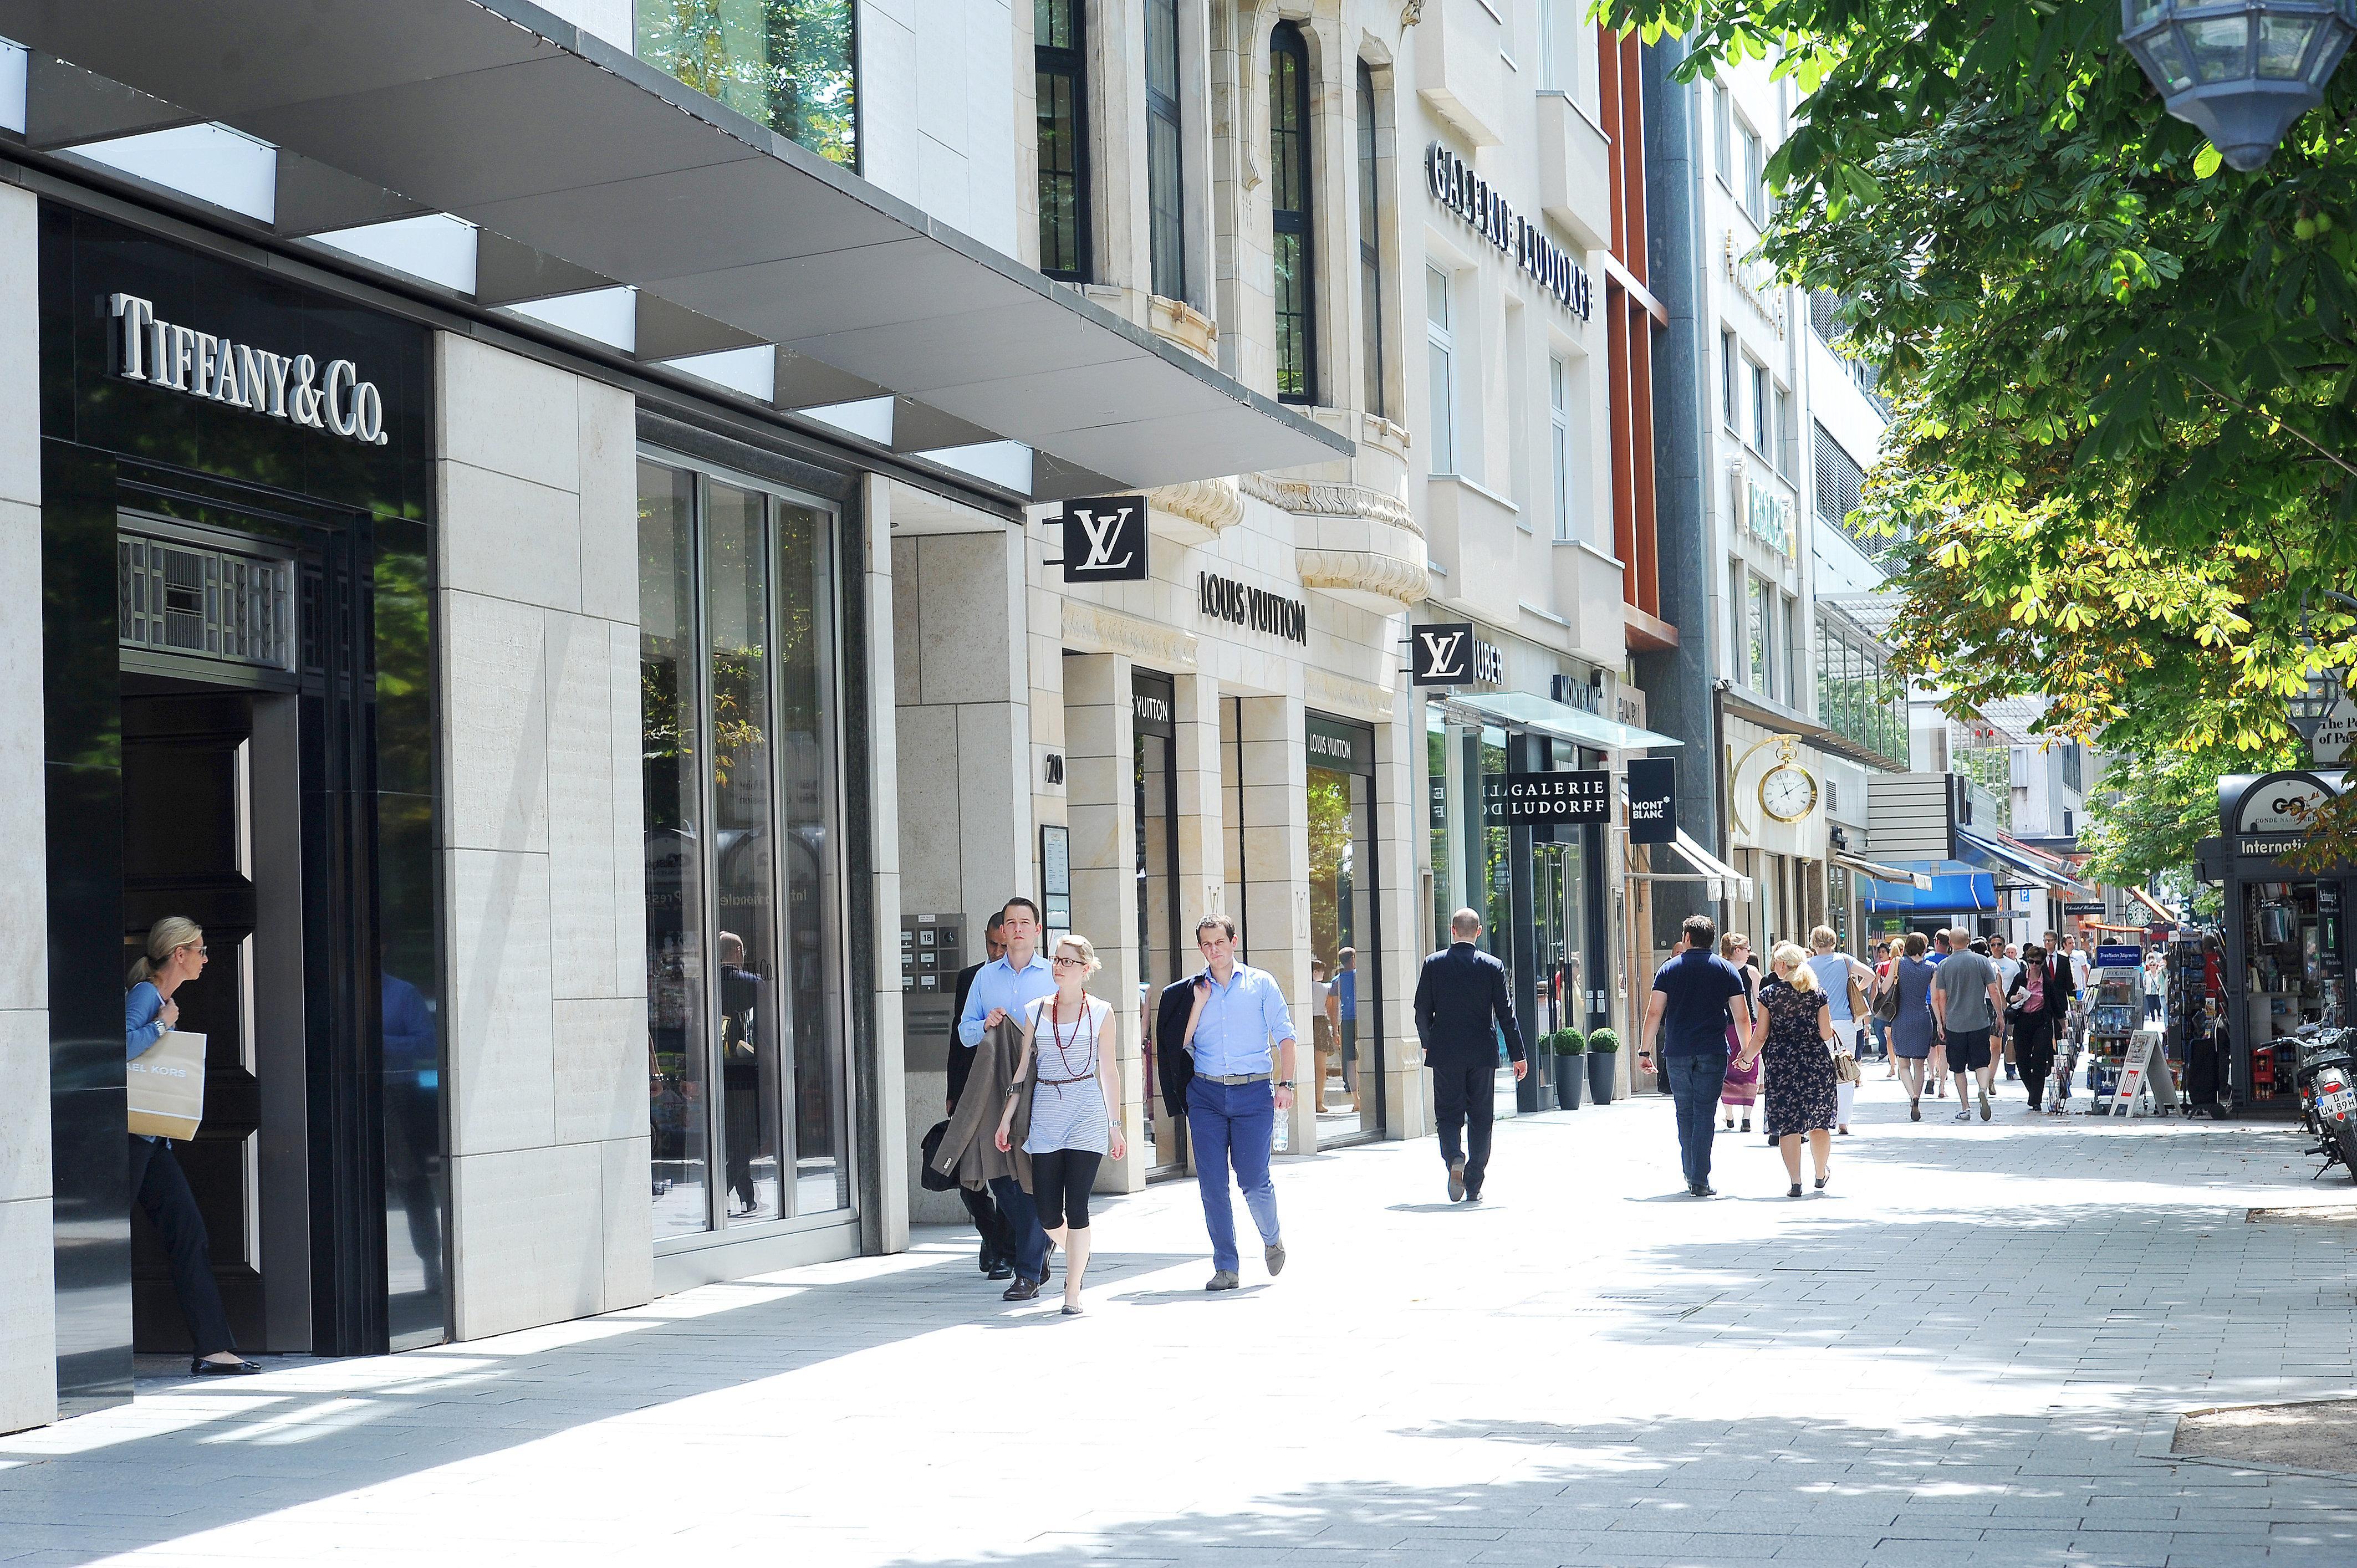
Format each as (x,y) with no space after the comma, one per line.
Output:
(747,1071)
(1440,342)
(788,64)
(1060,63)
(1726,364)
(1345,932)
(1293,227)
(1370,246)
(1165,157)
(1560,442)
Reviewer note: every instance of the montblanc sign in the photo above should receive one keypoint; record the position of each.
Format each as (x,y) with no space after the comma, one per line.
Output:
(1455,186)
(330,398)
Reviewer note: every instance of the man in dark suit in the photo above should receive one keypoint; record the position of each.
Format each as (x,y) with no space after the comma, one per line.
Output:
(998,1258)
(1459,998)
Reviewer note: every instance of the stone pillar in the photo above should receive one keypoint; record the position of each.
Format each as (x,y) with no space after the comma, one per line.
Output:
(1399,818)
(1101,804)
(29,1372)
(545,1023)
(887,1177)
(1275,798)
(962,750)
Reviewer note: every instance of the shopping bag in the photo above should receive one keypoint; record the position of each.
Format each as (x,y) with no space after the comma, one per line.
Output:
(164,1086)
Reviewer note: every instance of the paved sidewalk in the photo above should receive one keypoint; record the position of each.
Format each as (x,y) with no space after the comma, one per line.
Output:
(1969,1351)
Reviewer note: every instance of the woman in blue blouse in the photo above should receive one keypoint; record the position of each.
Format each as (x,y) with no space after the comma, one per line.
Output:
(175,955)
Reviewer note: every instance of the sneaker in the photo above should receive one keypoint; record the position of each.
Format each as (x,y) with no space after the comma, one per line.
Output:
(1457,1181)
(1984,1105)
(1273,1256)
(1225,1279)
(1961,1116)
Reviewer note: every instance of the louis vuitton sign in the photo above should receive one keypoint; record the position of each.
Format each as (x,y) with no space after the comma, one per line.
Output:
(1448,654)
(1105,539)
(330,398)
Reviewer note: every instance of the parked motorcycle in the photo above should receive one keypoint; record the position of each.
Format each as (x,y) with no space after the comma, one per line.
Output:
(2326,1081)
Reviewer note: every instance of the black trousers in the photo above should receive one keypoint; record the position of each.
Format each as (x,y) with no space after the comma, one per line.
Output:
(162,1192)
(1060,1183)
(1464,1096)
(2033,1053)
(997,1242)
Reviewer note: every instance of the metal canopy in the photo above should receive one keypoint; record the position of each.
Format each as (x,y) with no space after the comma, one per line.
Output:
(1561,721)
(1994,856)
(509,117)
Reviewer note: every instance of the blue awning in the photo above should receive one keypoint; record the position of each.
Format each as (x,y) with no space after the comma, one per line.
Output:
(1955,886)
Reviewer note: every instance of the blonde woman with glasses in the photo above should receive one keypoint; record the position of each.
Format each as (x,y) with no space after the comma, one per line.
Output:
(1068,1069)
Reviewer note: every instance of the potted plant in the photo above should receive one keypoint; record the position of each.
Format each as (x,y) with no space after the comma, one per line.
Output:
(1569,1046)
(1603,1056)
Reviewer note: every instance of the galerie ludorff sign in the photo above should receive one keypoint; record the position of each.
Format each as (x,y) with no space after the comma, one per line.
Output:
(296,388)
(1455,186)
(1526,800)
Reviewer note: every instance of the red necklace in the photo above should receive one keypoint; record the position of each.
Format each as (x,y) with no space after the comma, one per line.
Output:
(1056,1031)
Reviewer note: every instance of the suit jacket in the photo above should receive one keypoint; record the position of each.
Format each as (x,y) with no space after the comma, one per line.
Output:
(961,1054)
(969,1149)
(1460,993)
(1172,1064)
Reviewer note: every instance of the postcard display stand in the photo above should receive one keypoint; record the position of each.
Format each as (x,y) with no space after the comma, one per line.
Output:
(2115,1018)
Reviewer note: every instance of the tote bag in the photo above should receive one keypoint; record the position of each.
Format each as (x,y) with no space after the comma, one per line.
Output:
(165,1085)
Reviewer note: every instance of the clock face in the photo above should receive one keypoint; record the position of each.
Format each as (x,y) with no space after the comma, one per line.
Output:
(1788,793)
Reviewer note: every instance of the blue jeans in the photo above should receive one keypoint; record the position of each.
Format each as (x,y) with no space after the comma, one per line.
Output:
(1695,1080)
(1023,1224)
(1234,1125)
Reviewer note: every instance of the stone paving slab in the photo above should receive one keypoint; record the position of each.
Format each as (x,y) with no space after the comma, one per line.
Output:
(1970,1350)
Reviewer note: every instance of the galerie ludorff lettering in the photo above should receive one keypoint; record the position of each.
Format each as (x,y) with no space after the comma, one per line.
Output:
(296,388)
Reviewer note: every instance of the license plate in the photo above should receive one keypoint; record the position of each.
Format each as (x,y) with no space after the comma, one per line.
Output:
(2337,1102)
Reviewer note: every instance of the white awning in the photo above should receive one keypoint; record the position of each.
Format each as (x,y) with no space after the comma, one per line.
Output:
(1919,881)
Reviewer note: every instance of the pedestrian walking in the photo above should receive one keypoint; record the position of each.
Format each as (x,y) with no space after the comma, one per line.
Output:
(1740,1089)
(1345,996)
(174,956)
(997,1257)
(991,1026)
(1690,1011)
(1884,957)
(1075,1092)
(2040,1008)
(1792,1037)
(1968,1004)
(1231,1103)
(1913,1032)
(1846,984)
(1463,1006)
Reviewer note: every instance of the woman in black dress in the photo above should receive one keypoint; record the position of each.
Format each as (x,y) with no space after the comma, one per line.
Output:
(1793,1037)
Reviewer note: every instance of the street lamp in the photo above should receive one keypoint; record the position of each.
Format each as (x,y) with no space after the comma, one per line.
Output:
(2242,71)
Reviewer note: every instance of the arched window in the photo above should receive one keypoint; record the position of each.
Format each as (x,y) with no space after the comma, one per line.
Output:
(1370,245)
(1289,137)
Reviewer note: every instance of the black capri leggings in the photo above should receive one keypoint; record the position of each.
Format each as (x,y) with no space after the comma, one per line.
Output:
(1061,1180)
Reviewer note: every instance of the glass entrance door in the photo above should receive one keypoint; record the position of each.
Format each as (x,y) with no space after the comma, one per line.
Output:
(1345,1069)
(1162,947)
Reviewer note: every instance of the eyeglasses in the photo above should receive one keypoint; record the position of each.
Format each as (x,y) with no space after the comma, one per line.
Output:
(201,951)
(1062,960)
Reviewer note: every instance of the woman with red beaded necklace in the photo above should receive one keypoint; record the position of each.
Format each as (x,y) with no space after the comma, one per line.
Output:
(1075,1105)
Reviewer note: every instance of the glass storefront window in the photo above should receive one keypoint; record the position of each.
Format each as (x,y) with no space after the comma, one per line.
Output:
(744,1022)
(1346,1074)
(1438,824)
(1162,957)
(789,64)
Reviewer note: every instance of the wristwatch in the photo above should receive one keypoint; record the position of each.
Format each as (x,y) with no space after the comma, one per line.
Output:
(1285,1083)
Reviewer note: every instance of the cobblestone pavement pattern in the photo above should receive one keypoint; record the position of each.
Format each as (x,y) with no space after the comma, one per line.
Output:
(1969,1351)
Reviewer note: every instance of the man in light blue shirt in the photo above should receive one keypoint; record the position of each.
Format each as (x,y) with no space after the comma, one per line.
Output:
(1231,1105)
(1002,989)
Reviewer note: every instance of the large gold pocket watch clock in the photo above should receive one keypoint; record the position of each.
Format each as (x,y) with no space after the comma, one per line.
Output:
(1788,792)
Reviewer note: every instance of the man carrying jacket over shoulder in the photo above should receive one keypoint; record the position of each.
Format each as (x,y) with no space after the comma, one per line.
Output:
(1459,997)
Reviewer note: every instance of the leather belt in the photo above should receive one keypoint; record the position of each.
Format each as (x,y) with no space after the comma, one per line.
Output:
(1233,1079)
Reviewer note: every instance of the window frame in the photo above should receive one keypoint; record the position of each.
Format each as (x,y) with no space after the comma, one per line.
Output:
(1728,352)
(1559,443)
(1762,386)
(1722,112)
(1165,124)
(1298,222)
(1370,246)
(1069,62)
(1754,191)
(1440,350)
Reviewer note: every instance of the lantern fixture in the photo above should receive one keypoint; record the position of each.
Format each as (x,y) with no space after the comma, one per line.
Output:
(2242,70)
(2307,712)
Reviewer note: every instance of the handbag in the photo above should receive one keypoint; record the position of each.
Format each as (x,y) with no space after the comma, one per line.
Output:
(1845,1067)
(164,1087)
(1886,1000)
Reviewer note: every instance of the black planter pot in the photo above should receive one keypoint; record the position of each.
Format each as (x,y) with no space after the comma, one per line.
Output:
(1567,1083)
(1599,1075)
